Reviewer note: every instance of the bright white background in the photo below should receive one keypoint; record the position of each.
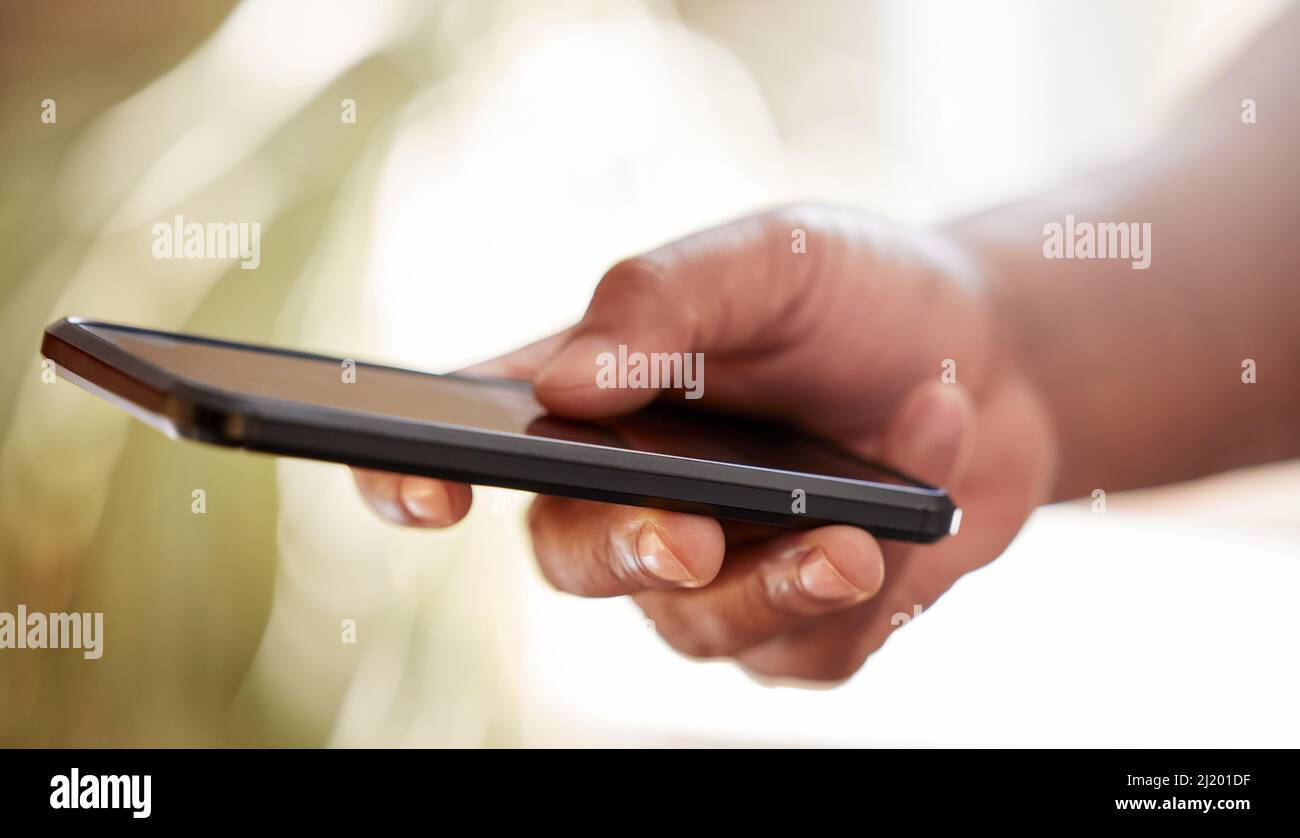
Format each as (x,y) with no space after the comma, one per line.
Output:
(579,136)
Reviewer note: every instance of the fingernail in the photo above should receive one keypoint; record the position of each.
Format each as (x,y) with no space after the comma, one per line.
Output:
(575,365)
(426,500)
(819,578)
(657,560)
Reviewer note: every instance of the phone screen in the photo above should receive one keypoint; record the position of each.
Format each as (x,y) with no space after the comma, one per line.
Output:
(486,404)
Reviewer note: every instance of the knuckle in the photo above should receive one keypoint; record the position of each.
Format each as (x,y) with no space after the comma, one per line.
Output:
(639,276)
(840,666)
(814,218)
(694,644)
(702,635)
(828,662)
(580,563)
(799,213)
(764,600)
(835,672)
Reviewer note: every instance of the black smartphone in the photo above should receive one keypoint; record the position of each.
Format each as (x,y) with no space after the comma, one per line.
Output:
(488,431)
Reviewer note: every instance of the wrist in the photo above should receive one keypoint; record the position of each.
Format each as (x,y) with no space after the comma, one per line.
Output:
(1006,254)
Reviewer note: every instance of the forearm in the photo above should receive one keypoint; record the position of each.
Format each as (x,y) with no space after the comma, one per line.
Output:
(1141,370)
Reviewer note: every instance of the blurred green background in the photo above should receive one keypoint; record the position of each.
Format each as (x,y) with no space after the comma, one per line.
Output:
(215,633)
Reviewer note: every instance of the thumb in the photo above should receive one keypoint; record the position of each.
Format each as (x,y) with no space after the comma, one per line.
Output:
(632,308)
(931,435)
(714,291)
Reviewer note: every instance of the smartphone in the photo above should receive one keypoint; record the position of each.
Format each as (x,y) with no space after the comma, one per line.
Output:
(488,431)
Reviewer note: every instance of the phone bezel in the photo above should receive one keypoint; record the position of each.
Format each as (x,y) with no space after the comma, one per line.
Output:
(183,408)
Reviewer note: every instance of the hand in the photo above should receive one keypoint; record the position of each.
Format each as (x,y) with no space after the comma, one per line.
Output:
(848,341)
